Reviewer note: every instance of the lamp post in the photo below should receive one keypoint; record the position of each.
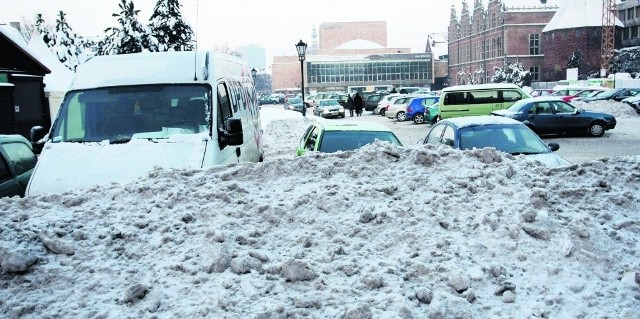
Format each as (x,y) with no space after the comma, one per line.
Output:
(302,48)
(254,72)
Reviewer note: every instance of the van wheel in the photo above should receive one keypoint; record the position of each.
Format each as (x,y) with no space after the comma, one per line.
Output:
(418,118)
(401,116)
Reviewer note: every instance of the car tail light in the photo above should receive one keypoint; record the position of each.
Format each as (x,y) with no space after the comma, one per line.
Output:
(409,110)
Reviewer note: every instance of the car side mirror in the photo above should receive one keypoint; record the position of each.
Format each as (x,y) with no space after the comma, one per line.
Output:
(554,146)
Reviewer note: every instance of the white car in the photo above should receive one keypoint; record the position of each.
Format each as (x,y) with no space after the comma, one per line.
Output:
(384,103)
(398,108)
(634,102)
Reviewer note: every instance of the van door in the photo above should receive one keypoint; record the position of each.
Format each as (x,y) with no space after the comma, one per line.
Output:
(227,153)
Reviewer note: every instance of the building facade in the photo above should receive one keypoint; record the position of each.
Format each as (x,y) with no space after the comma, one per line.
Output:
(629,14)
(482,39)
(350,55)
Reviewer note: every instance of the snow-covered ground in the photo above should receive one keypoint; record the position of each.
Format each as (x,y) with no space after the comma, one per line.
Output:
(383,232)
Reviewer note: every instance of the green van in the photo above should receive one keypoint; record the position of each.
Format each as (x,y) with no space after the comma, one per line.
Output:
(479,99)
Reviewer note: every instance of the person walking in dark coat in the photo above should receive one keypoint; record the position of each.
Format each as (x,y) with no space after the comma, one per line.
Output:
(358,103)
(350,104)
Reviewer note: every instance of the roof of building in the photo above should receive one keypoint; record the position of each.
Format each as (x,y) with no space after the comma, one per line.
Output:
(14,36)
(359,44)
(577,14)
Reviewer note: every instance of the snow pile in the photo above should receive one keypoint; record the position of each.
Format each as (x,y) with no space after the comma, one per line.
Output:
(617,109)
(383,232)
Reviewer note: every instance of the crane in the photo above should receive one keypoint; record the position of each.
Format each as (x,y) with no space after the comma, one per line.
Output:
(608,32)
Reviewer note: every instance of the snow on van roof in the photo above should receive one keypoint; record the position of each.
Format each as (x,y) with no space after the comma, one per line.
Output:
(147,68)
(480,86)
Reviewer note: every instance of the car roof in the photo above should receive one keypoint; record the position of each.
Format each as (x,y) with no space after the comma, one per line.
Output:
(542,98)
(354,126)
(13,138)
(466,121)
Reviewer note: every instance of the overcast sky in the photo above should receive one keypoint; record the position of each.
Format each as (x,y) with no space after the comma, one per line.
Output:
(277,25)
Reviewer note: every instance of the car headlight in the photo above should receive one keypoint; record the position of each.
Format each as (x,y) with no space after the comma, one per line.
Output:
(341,109)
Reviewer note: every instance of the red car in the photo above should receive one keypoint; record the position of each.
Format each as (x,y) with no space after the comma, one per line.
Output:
(583,93)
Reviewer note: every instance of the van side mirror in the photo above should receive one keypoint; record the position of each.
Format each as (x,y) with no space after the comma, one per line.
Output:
(234,134)
(36,134)
(554,146)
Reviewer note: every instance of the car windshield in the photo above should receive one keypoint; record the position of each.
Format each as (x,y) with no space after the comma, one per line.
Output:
(294,100)
(607,93)
(333,141)
(517,106)
(119,114)
(513,139)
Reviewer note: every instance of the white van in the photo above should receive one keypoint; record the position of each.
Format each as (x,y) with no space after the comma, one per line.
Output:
(126,114)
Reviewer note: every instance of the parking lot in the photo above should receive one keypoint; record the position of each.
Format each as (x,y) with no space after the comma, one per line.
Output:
(624,140)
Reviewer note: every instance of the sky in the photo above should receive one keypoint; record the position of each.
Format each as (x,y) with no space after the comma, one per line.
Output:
(382,232)
(276,25)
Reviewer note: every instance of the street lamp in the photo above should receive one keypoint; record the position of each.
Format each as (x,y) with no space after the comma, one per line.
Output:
(302,48)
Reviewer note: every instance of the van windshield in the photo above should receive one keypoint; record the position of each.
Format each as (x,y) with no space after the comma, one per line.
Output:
(119,114)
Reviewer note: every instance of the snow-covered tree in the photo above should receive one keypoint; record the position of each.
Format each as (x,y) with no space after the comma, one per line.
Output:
(43,28)
(627,60)
(512,72)
(129,37)
(169,32)
(64,43)
(575,60)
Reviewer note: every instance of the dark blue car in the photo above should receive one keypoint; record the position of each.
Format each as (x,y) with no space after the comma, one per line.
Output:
(423,109)
(552,115)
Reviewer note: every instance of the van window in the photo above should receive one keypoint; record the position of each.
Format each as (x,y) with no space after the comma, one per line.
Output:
(510,96)
(224,106)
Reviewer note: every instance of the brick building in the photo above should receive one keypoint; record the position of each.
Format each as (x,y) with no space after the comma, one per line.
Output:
(482,39)
(575,30)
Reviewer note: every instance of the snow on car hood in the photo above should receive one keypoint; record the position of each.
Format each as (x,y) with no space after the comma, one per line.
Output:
(549,159)
(71,166)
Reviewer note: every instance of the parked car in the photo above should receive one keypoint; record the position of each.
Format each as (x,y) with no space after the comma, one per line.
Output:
(308,100)
(541,92)
(612,94)
(372,101)
(17,161)
(343,136)
(294,103)
(634,102)
(583,93)
(552,115)
(423,109)
(342,99)
(267,99)
(503,134)
(328,108)
(398,108)
(384,103)
(567,90)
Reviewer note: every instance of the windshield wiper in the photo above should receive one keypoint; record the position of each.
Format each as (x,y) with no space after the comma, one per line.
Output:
(526,153)
(120,139)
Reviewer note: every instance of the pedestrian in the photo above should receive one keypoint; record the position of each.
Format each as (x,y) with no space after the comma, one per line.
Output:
(350,104)
(357,102)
